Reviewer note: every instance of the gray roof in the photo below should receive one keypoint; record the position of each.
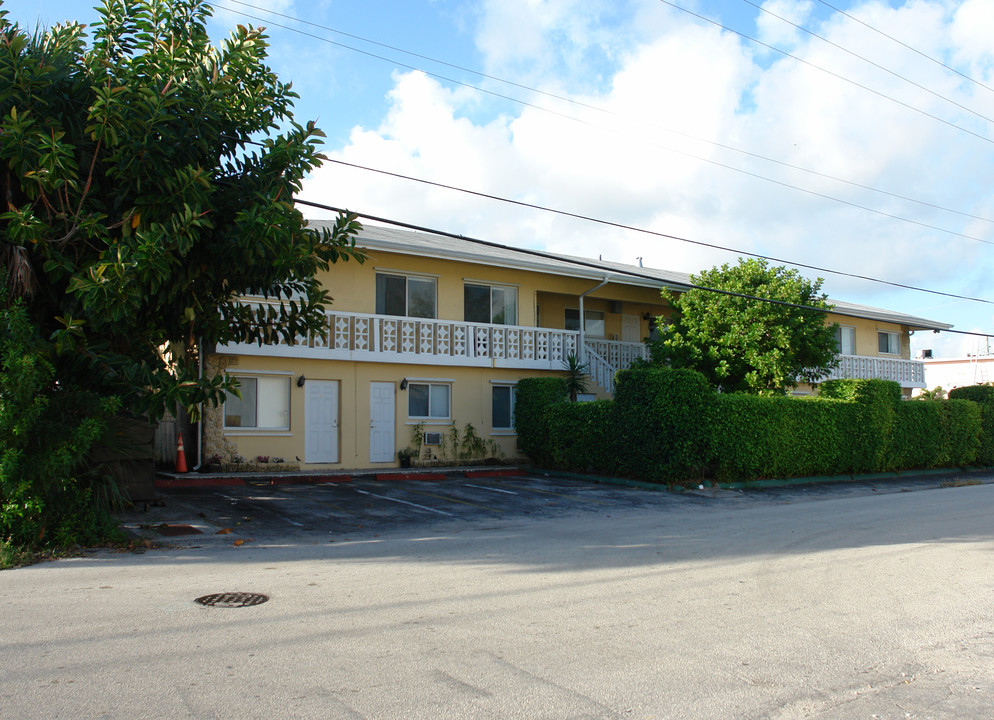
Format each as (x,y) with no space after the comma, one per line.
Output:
(427,244)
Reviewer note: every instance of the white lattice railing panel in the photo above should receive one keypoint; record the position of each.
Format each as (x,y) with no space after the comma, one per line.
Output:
(909,373)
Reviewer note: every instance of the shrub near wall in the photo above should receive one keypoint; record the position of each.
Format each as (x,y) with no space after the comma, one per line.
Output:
(533,398)
(877,401)
(983,396)
(662,418)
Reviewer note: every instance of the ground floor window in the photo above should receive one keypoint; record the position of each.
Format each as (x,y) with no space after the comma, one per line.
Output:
(502,408)
(428,400)
(264,404)
(889,342)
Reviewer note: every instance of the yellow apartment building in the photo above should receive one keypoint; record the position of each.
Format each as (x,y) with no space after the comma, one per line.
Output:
(433,331)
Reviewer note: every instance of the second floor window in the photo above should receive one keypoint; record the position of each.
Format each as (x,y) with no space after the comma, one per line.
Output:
(593,321)
(889,342)
(490,304)
(405,295)
(845,339)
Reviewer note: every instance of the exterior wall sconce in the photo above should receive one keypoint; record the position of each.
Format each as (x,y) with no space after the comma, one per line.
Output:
(647,316)
(301,380)
(403,384)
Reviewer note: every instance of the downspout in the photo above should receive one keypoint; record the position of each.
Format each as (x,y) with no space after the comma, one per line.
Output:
(581,349)
(200,422)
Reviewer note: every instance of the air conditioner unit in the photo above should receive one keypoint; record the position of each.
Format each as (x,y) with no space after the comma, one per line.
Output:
(433,438)
(925,354)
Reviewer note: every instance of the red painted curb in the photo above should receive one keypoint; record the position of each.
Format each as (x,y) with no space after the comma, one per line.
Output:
(197,482)
(491,473)
(410,476)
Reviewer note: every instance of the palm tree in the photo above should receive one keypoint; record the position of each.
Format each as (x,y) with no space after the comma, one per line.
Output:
(576,376)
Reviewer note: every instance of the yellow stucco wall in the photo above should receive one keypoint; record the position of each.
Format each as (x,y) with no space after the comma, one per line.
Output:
(542,300)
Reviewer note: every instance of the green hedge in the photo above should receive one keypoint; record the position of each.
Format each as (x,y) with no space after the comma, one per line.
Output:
(983,396)
(758,437)
(668,425)
(581,436)
(662,423)
(533,398)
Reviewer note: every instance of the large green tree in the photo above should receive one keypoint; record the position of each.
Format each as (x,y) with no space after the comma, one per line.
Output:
(147,178)
(742,344)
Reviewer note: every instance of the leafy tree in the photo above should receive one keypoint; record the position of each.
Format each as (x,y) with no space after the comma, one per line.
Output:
(146,188)
(745,345)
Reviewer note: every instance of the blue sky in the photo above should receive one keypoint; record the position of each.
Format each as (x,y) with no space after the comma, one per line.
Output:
(636,112)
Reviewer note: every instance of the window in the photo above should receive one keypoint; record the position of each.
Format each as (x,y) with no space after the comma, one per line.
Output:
(490,304)
(264,404)
(845,340)
(503,407)
(889,342)
(593,321)
(404,295)
(428,400)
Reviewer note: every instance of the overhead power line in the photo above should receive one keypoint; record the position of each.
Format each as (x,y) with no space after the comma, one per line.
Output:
(590,264)
(645,231)
(866,60)
(605,111)
(906,45)
(827,71)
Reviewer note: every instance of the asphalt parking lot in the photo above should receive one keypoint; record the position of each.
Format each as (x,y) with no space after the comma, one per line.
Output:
(264,512)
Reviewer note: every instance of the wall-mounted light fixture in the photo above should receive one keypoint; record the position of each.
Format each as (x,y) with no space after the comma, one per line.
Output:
(647,316)
(301,380)
(403,384)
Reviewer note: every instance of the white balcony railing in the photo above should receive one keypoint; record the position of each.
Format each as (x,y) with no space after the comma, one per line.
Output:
(606,357)
(908,373)
(387,338)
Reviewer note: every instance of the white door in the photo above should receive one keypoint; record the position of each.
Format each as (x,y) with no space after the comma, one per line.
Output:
(321,421)
(381,422)
(630,328)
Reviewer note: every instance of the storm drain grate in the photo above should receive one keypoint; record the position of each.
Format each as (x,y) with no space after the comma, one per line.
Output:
(232,600)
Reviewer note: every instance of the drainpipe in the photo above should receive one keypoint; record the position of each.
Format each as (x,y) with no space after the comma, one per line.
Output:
(200,422)
(581,349)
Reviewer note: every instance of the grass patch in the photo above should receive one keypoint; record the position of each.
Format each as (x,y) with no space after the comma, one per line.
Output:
(960,482)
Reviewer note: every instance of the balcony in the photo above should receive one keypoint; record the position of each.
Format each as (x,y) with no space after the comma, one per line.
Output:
(386,338)
(908,373)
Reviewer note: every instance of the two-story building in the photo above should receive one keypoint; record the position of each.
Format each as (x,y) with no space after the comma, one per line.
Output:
(433,331)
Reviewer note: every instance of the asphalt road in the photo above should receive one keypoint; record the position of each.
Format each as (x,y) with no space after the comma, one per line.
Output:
(606,603)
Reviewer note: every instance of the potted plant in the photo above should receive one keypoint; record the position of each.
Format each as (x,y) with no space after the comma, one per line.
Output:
(405,456)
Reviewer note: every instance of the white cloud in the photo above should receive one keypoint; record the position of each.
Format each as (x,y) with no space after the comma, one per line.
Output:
(778,32)
(627,164)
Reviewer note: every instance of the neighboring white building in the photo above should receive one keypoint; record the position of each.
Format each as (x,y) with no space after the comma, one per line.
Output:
(949,373)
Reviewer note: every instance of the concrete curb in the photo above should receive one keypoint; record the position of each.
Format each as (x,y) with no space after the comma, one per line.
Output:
(166,480)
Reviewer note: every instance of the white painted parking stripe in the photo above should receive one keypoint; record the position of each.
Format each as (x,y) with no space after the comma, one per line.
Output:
(397,500)
(483,487)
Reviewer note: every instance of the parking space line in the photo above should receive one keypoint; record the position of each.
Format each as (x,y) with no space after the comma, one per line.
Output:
(452,499)
(405,502)
(491,489)
(549,492)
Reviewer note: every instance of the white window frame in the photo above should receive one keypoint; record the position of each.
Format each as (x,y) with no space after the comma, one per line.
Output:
(841,332)
(430,384)
(407,277)
(491,287)
(891,336)
(588,316)
(274,380)
(503,429)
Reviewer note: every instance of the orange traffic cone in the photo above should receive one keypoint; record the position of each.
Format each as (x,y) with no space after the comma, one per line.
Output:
(180,457)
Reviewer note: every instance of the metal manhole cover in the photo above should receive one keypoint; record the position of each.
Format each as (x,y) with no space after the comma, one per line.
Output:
(232,599)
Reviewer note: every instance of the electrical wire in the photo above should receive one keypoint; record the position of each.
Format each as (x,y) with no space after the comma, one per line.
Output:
(906,45)
(608,112)
(827,71)
(654,233)
(866,60)
(590,264)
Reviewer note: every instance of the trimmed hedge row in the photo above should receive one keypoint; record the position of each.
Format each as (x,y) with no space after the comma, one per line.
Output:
(668,425)
(983,395)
